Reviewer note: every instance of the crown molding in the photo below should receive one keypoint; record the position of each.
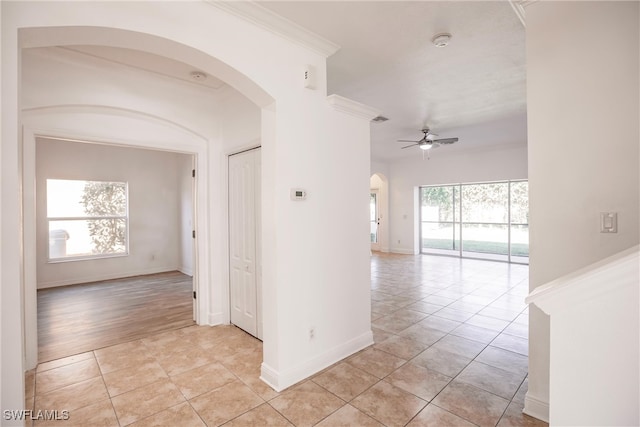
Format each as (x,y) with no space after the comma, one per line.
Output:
(519,8)
(271,21)
(346,105)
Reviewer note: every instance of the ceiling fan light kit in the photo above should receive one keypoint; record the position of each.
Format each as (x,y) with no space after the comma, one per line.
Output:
(428,142)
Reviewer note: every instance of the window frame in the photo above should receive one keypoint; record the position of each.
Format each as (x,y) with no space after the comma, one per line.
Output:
(92,256)
(457,213)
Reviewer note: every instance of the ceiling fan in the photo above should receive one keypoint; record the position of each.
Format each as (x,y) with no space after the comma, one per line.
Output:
(428,141)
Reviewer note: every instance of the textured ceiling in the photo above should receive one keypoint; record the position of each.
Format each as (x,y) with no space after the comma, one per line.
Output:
(474,88)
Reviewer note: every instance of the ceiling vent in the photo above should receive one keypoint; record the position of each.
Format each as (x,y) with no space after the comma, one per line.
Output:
(379,119)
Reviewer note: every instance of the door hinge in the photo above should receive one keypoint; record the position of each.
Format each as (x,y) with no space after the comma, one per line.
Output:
(193,234)
(194,294)
(193,173)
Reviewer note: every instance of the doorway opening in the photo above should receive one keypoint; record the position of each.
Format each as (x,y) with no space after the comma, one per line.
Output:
(114,245)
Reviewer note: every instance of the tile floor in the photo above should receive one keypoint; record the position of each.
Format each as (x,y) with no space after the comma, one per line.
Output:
(450,350)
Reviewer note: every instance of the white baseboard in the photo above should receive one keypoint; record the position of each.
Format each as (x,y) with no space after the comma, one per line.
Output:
(214,319)
(281,380)
(402,251)
(536,408)
(106,276)
(186,270)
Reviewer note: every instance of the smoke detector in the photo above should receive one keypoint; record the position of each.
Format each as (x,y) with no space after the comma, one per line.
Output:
(198,76)
(441,40)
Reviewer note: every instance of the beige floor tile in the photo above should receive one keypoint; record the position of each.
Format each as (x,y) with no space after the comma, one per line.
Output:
(185,359)
(388,404)
(202,379)
(504,359)
(401,347)
(99,414)
(181,415)
(124,380)
(376,362)
(513,417)
(461,346)
(306,404)
(263,415)
(494,380)
(517,329)
(379,335)
(236,343)
(474,333)
(123,356)
(445,362)
(166,342)
(440,323)
(64,361)
(258,386)
(225,403)
(241,363)
(73,396)
(425,307)
(432,416)
(423,334)
(393,323)
(522,392)
(453,314)
(348,416)
(145,401)
(62,376)
(478,406)
(488,322)
(512,343)
(420,381)
(345,381)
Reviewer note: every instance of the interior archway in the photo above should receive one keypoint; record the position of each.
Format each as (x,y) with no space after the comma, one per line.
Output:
(57,121)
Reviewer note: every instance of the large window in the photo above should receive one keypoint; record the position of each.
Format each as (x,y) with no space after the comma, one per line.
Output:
(489,220)
(86,219)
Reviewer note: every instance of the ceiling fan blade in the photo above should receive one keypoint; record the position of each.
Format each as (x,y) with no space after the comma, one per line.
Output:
(412,145)
(446,140)
(406,140)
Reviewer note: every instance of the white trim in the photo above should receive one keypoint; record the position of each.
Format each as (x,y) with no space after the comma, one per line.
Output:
(185,270)
(101,277)
(214,319)
(277,24)
(402,251)
(588,283)
(536,408)
(346,105)
(281,380)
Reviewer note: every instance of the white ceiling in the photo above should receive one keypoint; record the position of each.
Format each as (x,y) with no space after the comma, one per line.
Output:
(473,89)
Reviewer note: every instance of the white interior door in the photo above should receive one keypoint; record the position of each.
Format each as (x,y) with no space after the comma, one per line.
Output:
(244,247)
(374,219)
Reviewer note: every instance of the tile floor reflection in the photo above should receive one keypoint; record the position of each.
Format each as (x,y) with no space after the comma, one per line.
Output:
(450,350)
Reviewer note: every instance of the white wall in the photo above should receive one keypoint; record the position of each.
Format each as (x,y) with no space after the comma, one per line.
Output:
(154,208)
(583,115)
(490,164)
(307,273)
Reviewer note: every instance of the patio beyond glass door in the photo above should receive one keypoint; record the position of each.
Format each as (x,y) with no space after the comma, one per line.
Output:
(486,220)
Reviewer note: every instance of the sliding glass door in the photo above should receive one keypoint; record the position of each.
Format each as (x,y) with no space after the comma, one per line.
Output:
(488,220)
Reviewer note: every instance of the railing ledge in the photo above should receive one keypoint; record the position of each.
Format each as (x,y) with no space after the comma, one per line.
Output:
(619,270)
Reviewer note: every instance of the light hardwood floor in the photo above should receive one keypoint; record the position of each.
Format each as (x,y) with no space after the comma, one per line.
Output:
(79,318)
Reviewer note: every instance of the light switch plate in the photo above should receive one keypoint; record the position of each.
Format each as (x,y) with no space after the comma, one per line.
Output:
(608,222)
